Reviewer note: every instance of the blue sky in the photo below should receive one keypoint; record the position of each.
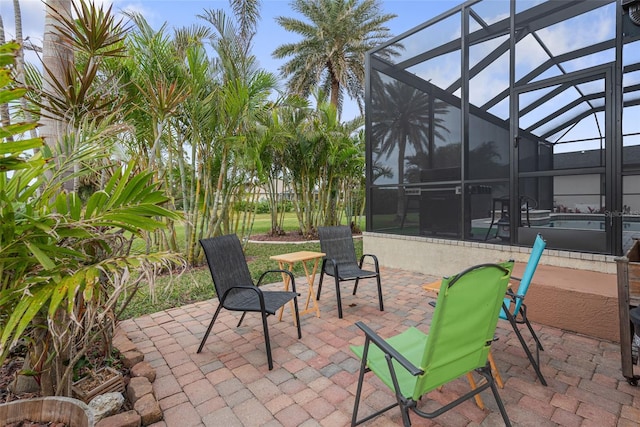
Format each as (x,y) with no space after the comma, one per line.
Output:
(183,13)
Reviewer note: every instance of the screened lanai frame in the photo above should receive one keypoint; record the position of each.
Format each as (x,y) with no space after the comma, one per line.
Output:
(523,114)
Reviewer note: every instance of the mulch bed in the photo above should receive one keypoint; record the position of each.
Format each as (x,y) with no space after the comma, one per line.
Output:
(8,372)
(36,424)
(14,363)
(287,237)
(292,236)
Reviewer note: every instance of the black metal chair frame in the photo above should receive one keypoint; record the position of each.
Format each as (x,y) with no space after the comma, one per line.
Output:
(331,266)
(266,305)
(407,404)
(520,318)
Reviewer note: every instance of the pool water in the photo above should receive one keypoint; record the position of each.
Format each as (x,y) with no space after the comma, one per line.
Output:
(590,225)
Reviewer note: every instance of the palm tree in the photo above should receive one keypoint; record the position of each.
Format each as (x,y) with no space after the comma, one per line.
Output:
(66,263)
(402,115)
(247,13)
(5,120)
(275,130)
(57,57)
(242,99)
(75,87)
(331,52)
(20,67)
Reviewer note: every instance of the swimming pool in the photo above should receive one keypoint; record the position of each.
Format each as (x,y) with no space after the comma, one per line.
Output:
(588,224)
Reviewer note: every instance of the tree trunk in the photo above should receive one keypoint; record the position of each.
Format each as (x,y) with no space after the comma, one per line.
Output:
(401,199)
(5,118)
(20,64)
(57,57)
(335,87)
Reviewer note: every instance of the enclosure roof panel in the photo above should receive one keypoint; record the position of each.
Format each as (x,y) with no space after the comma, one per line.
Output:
(551,38)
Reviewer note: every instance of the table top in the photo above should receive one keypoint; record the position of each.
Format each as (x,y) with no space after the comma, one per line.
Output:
(433,286)
(298,256)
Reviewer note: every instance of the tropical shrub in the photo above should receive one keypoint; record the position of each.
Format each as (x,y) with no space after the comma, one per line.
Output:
(64,264)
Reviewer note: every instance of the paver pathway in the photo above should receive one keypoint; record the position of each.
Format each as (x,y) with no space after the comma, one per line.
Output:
(314,379)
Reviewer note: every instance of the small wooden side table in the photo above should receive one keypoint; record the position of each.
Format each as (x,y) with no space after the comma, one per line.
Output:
(286,262)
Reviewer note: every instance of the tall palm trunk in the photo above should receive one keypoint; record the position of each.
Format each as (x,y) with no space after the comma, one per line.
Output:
(4,108)
(401,199)
(57,57)
(20,79)
(335,88)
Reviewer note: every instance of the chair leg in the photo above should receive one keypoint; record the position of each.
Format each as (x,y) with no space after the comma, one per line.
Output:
(295,308)
(320,282)
(525,347)
(241,319)
(267,343)
(406,421)
(523,312)
(355,287)
(363,369)
(380,293)
(338,297)
(501,407)
(206,334)
(472,383)
(494,370)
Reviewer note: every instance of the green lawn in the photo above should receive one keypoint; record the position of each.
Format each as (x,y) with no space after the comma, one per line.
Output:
(262,223)
(195,284)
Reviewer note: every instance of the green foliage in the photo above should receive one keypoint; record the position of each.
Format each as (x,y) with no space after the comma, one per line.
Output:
(80,88)
(12,153)
(64,263)
(195,284)
(262,207)
(334,37)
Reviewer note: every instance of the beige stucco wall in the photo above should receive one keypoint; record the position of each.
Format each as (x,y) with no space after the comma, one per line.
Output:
(440,257)
(570,290)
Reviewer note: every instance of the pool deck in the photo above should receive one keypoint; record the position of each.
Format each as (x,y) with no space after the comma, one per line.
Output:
(314,378)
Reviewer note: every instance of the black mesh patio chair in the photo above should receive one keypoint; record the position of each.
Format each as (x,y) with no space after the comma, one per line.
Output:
(235,288)
(340,262)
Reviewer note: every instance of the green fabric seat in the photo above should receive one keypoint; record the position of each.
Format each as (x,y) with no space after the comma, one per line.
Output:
(413,363)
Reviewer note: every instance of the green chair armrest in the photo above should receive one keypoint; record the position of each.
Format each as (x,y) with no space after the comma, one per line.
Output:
(389,350)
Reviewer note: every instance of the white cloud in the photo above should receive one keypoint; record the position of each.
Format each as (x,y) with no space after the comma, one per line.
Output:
(32,12)
(145,9)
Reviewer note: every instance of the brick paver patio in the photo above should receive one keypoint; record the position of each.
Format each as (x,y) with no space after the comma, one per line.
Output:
(314,379)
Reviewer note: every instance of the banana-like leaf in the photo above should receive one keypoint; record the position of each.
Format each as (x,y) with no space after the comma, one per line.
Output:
(131,189)
(24,313)
(117,183)
(92,278)
(76,281)
(8,95)
(95,203)
(150,210)
(14,319)
(59,293)
(42,257)
(75,206)
(132,223)
(8,53)
(17,128)
(12,163)
(40,224)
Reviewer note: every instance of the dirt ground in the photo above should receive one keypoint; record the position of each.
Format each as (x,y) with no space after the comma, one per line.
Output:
(287,237)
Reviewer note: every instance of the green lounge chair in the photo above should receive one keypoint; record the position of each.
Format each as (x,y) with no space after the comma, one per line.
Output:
(413,363)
